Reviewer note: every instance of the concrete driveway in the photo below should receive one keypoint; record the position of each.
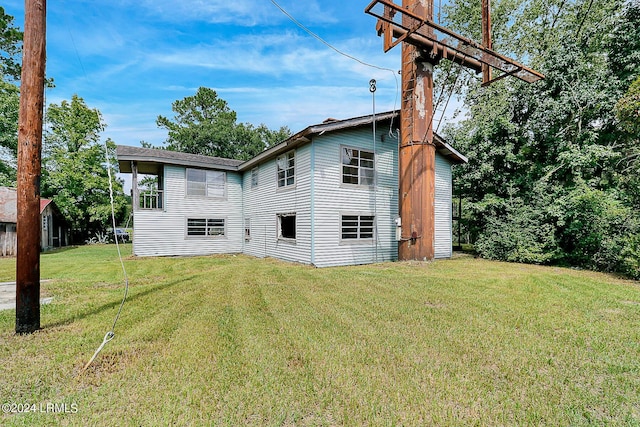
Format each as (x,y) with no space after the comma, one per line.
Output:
(8,296)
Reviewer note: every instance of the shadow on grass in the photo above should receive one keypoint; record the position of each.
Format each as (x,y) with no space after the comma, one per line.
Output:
(116,303)
(58,250)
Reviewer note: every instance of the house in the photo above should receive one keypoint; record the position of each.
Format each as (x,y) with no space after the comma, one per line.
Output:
(326,196)
(54,228)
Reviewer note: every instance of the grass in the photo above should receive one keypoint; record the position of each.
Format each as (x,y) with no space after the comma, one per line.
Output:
(233,340)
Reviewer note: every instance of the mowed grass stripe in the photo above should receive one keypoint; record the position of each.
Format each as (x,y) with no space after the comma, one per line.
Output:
(232,340)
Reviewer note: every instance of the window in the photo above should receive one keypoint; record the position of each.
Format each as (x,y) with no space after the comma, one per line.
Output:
(205,227)
(357,166)
(286,166)
(247,229)
(287,226)
(205,183)
(254,177)
(357,226)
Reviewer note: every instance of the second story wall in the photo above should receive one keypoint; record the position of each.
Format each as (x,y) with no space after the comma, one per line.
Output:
(271,209)
(192,224)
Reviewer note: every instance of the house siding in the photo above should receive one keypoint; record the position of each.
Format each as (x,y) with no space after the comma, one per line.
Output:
(443,213)
(332,199)
(163,232)
(263,203)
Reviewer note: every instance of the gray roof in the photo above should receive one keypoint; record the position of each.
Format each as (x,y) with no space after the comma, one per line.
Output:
(150,156)
(332,125)
(9,205)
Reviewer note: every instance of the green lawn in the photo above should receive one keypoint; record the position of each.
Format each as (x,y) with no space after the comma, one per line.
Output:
(233,340)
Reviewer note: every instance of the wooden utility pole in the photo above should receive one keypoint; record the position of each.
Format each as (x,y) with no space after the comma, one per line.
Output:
(424,44)
(417,153)
(29,162)
(486,38)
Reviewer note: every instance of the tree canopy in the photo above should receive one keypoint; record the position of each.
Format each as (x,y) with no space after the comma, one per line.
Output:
(10,49)
(545,182)
(74,168)
(204,124)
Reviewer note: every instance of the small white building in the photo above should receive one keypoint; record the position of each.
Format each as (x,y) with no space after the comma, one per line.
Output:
(326,196)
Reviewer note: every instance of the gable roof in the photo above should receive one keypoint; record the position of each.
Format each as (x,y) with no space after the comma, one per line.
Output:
(149,158)
(332,125)
(146,157)
(9,204)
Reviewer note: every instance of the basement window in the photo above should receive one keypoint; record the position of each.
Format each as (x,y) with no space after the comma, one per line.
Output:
(287,226)
(205,227)
(357,227)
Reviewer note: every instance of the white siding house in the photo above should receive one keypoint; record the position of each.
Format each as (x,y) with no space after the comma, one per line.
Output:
(326,196)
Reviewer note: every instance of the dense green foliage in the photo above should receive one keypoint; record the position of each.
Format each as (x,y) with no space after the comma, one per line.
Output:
(74,170)
(553,171)
(10,49)
(9,107)
(204,124)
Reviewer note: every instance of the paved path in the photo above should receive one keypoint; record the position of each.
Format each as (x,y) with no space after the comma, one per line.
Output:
(8,296)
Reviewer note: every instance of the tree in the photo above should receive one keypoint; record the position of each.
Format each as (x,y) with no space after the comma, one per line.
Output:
(535,149)
(204,124)
(74,168)
(10,49)
(9,106)
(628,109)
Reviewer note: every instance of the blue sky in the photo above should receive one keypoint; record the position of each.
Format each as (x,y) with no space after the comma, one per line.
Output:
(132,59)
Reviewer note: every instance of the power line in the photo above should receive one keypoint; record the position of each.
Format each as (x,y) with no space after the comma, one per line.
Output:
(330,46)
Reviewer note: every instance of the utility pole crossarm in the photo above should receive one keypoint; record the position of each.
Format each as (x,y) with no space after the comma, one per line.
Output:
(401,25)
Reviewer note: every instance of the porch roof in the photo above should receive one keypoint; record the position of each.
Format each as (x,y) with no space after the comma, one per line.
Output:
(149,159)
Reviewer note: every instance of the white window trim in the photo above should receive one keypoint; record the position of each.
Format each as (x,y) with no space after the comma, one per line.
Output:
(351,185)
(186,185)
(279,229)
(205,237)
(358,240)
(295,171)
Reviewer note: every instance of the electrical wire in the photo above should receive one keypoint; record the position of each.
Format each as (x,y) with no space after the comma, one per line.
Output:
(453,88)
(330,46)
(111,334)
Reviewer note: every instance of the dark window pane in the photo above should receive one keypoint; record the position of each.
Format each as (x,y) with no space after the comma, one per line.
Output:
(288,226)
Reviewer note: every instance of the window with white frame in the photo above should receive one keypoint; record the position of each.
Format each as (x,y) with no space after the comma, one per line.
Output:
(205,227)
(247,229)
(357,166)
(206,183)
(357,227)
(254,177)
(287,226)
(286,167)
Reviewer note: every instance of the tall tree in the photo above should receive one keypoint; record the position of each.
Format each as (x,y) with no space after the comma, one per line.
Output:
(9,106)
(74,168)
(204,124)
(542,183)
(10,47)
(10,50)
